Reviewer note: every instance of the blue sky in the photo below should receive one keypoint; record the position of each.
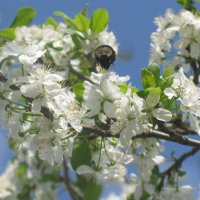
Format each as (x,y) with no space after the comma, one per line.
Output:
(132,23)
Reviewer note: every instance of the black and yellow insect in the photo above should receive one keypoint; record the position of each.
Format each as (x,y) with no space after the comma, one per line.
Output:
(105,56)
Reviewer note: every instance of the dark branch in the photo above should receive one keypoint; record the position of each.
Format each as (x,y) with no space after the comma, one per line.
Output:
(151,134)
(68,182)
(81,76)
(177,164)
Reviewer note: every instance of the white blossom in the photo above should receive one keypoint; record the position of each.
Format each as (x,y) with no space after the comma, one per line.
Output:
(26,54)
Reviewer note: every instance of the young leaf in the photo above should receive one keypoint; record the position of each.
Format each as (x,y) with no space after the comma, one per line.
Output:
(7,34)
(148,78)
(155,69)
(22,169)
(168,71)
(51,21)
(100,19)
(92,191)
(78,89)
(24,17)
(76,40)
(182,2)
(67,19)
(84,11)
(82,23)
(124,88)
(81,155)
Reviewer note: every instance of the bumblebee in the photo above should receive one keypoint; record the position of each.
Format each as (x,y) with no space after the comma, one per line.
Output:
(105,56)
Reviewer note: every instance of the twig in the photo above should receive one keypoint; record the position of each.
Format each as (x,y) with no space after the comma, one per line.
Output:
(177,164)
(81,76)
(67,182)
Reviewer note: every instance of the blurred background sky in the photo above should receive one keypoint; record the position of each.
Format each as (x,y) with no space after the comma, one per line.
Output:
(132,23)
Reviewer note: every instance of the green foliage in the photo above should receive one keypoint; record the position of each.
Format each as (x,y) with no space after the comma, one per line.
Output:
(25,193)
(82,23)
(150,76)
(76,40)
(168,71)
(183,2)
(131,197)
(100,19)
(155,69)
(51,21)
(124,88)
(152,91)
(188,4)
(24,17)
(7,34)
(22,169)
(54,177)
(91,190)
(67,19)
(84,11)
(81,155)
(78,89)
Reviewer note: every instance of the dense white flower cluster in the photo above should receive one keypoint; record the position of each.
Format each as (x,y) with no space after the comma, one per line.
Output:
(189,96)
(56,107)
(176,41)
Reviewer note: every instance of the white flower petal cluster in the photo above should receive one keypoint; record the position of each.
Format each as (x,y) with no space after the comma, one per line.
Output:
(103,90)
(110,163)
(148,158)
(104,98)
(44,191)
(8,182)
(189,96)
(128,114)
(176,39)
(26,54)
(182,193)
(150,104)
(92,41)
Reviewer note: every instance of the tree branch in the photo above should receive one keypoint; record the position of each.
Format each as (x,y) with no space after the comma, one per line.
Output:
(151,134)
(67,182)
(177,164)
(81,76)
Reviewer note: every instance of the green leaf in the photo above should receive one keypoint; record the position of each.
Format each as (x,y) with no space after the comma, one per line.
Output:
(100,19)
(168,71)
(92,191)
(155,69)
(124,88)
(51,21)
(131,197)
(50,177)
(22,169)
(78,89)
(84,11)
(81,155)
(67,19)
(166,82)
(152,91)
(82,23)
(182,2)
(148,78)
(24,17)
(76,40)
(7,34)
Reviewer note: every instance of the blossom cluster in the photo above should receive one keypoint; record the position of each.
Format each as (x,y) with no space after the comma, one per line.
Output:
(56,119)
(176,41)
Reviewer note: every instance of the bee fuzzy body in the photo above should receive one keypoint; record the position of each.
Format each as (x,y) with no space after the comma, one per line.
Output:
(105,56)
